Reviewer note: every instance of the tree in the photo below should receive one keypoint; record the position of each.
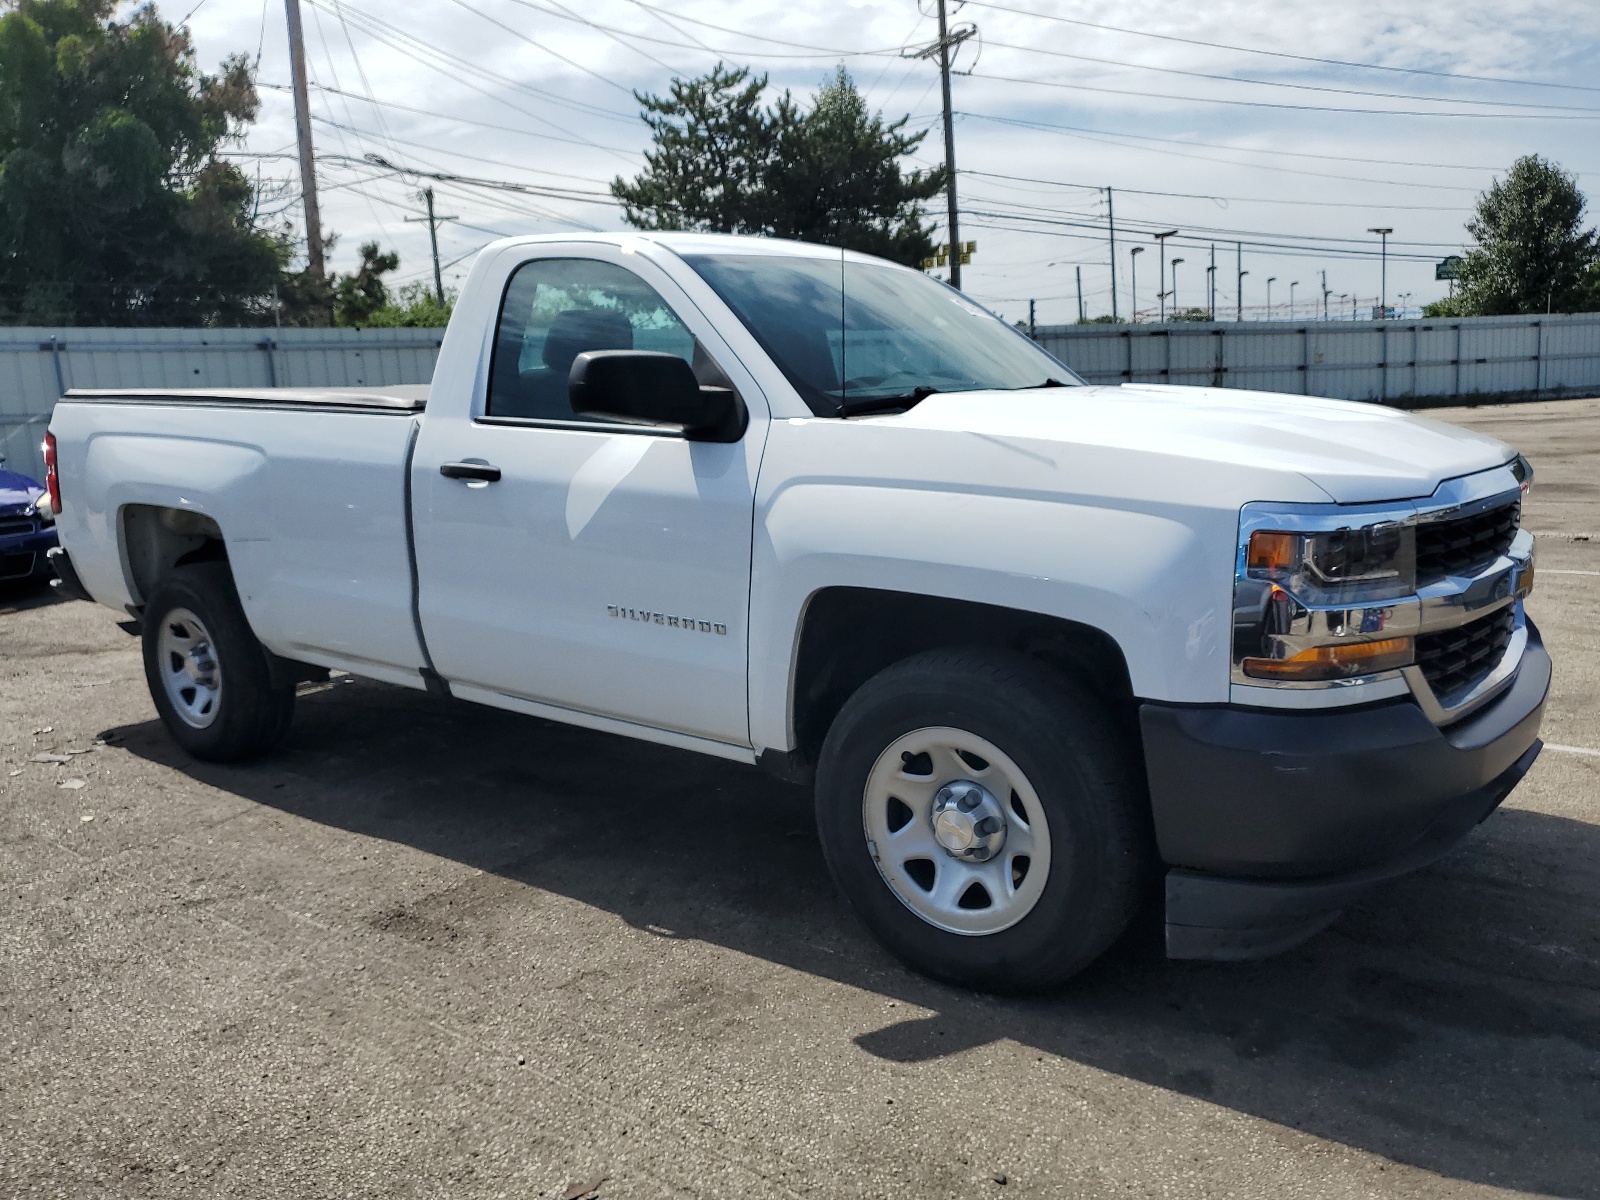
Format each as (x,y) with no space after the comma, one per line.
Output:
(713,148)
(836,177)
(356,297)
(414,307)
(830,173)
(114,205)
(1532,253)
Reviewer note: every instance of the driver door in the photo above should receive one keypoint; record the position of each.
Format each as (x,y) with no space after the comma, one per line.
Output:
(605,571)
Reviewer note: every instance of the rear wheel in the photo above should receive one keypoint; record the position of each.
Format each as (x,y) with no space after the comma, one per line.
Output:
(207,673)
(983,816)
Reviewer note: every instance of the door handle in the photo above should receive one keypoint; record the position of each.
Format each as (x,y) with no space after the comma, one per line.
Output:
(470,470)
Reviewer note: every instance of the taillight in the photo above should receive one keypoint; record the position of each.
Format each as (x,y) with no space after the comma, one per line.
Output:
(52,481)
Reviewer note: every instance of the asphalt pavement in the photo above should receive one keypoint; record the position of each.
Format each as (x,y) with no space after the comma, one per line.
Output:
(431,950)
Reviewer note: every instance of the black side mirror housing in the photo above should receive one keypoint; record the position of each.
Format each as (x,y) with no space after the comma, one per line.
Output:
(646,387)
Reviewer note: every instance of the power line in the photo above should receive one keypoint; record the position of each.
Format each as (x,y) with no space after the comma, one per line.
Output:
(1274,104)
(1304,87)
(1227,199)
(1306,58)
(551,137)
(423,52)
(1074,131)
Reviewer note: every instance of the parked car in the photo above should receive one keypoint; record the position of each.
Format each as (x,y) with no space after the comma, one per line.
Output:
(1033,642)
(27,527)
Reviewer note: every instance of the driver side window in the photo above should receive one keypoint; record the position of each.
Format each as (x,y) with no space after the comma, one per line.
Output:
(557,308)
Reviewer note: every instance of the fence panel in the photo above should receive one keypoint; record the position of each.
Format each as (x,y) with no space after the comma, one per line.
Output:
(1393,361)
(37,365)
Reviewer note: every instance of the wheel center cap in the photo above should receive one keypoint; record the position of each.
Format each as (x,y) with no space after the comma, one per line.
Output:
(968,821)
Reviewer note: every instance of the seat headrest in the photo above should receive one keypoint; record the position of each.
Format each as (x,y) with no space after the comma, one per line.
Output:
(580,329)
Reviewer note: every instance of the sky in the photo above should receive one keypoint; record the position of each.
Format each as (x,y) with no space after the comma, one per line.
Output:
(1277,132)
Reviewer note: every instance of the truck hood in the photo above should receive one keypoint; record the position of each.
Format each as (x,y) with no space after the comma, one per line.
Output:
(1356,453)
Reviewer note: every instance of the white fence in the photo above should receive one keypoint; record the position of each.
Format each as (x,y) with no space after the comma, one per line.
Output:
(38,364)
(1387,361)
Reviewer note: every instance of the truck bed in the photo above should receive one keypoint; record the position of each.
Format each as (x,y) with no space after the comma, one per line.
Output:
(399,398)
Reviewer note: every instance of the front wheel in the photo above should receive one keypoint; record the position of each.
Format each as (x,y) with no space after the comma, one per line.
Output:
(983,816)
(207,673)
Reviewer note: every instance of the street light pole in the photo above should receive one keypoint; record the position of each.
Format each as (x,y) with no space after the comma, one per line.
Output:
(1271,279)
(1293,283)
(1324,295)
(1383,231)
(1161,239)
(1238,298)
(1174,293)
(1133,270)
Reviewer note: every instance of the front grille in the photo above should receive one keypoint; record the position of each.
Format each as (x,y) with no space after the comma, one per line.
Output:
(1455,659)
(1464,545)
(12,526)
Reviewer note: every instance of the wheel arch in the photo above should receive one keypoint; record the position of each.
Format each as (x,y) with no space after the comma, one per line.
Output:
(155,539)
(849,634)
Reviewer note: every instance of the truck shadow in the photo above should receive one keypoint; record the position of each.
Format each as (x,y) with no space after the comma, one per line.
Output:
(1451,1022)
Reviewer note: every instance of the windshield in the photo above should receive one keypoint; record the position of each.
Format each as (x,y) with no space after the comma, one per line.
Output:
(887,334)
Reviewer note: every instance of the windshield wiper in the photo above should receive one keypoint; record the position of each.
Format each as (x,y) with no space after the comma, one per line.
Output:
(874,404)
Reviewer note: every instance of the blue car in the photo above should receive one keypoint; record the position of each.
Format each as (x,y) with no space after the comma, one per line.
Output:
(27,528)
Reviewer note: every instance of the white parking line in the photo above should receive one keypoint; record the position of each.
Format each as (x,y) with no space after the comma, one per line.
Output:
(1584,750)
(1553,571)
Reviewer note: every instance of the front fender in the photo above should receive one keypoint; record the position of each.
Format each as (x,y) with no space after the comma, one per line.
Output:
(1159,584)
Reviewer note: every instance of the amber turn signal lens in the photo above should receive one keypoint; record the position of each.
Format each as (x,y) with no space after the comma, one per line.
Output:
(1270,553)
(1322,663)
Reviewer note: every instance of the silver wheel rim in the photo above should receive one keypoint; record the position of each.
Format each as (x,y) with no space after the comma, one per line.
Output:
(190,673)
(923,839)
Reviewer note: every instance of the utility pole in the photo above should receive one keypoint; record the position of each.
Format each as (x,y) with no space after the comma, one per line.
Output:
(1080,294)
(1383,231)
(1033,330)
(1238,299)
(1111,225)
(1324,295)
(1133,268)
(302,124)
(1161,239)
(433,237)
(1211,283)
(945,46)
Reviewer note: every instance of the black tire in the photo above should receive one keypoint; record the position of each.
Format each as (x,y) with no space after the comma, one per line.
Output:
(250,715)
(1082,770)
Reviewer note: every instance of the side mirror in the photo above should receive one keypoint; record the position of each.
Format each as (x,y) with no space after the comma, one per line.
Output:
(644,387)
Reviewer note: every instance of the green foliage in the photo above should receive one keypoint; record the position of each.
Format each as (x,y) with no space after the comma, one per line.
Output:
(1533,254)
(1189,314)
(1102,319)
(415,307)
(713,148)
(356,297)
(724,163)
(114,208)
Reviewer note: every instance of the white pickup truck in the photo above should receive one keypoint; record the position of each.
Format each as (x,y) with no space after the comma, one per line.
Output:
(1037,645)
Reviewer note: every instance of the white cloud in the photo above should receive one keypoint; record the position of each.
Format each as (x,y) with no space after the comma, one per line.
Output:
(518,91)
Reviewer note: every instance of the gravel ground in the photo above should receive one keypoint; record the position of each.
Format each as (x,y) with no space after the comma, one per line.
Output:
(430,950)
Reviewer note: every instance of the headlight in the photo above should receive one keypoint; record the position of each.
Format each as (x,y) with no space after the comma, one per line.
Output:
(42,509)
(1314,606)
(1377,562)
